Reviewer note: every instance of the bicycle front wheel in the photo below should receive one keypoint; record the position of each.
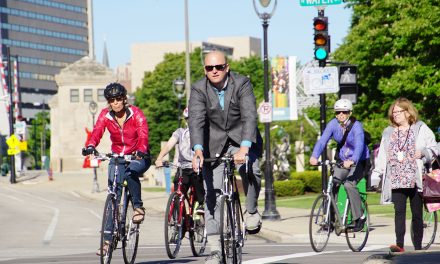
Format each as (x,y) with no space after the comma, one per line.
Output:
(226,230)
(319,223)
(197,237)
(131,233)
(173,226)
(356,240)
(108,231)
(429,229)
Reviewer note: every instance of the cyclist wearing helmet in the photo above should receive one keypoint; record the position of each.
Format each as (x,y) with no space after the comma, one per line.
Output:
(185,156)
(352,154)
(128,130)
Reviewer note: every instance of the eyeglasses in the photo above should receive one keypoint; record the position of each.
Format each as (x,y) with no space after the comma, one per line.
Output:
(398,112)
(118,99)
(219,67)
(344,112)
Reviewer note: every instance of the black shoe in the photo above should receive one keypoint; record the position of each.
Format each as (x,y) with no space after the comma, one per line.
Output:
(359,225)
(326,228)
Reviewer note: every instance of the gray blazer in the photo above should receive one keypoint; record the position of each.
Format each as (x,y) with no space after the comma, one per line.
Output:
(210,126)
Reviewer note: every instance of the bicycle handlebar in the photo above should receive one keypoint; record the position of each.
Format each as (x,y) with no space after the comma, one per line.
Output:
(108,156)
(331,163)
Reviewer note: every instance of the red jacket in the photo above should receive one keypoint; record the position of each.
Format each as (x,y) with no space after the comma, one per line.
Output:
(132,136)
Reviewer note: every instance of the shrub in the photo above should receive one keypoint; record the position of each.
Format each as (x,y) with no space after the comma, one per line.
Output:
(311,179)
(288,188)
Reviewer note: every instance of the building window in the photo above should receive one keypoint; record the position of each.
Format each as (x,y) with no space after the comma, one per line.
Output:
(74,95)
(101,97)
(88,95)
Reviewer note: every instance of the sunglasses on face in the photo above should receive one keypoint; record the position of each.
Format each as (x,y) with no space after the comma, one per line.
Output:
(344,112)
(219,67)
(118,99)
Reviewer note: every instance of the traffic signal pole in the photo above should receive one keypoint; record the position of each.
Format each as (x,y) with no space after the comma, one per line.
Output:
(11,111)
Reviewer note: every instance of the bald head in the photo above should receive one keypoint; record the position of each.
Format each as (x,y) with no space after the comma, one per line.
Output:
(216,68)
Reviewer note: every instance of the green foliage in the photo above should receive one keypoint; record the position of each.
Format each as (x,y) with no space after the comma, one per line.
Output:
(160,104)
(36,139)
(312,180)
(396,44)
(288,188)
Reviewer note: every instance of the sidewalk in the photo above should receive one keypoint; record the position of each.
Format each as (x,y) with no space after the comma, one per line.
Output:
(291,228)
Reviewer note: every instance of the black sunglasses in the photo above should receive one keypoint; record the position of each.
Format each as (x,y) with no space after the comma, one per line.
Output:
(219,67)
(344,112)
(111,100)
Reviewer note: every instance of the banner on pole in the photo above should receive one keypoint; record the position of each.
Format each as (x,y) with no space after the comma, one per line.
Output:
(283,94)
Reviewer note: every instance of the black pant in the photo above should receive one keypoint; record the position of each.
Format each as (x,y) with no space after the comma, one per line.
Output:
(399,197)
(191,178)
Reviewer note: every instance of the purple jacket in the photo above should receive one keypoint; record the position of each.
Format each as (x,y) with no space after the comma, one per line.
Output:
(354,148)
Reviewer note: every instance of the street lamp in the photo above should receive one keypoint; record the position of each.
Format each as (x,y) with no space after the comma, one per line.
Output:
(179,91)
(270,210)
(93,108)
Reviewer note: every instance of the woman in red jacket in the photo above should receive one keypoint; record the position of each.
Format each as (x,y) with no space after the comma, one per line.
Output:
(128,130)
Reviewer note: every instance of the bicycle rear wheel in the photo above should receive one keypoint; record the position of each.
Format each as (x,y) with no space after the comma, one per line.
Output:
(173,226)
(429,229)
(131,233)
(108,230)
(356,240)
(319,224)
(197,238)
(226,230)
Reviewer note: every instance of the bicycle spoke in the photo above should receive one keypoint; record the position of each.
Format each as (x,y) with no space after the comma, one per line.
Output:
(319,224)
(429,229)
(131,234)
(197,235)
(173,228)
(356,240)
(108,231)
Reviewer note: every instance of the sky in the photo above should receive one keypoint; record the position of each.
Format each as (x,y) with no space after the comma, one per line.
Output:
(290,33)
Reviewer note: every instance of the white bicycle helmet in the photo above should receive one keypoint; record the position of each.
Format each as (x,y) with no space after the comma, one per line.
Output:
(343,105)
(185,112)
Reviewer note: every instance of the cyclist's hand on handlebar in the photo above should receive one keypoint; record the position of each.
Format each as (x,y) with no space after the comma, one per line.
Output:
(240,156)
(348,163)
(158,163)
(313,161)
(197,160)
(90,150)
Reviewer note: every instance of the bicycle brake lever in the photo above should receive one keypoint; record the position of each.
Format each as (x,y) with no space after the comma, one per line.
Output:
(246,160)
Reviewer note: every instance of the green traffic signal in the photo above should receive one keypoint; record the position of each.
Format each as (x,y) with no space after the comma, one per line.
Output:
(321,54)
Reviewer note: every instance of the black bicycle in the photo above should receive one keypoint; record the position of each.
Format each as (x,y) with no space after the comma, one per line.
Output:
(232,226)
(321,223)
(117,220)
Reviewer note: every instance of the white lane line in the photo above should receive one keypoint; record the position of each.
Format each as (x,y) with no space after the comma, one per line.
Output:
(94,213)
(74,193)
(51,228)
(304,254)
(11,197)
(31,195)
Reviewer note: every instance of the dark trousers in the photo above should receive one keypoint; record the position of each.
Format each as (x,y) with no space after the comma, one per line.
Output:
(399,198)
(190,177)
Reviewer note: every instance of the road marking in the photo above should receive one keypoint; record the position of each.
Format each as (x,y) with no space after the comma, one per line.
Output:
(94,213)
(30,195)
(74,193)
(305,254)
(51,228)
(11,197)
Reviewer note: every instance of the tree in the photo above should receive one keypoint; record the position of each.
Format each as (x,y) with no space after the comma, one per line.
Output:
(36,139)
(396,45)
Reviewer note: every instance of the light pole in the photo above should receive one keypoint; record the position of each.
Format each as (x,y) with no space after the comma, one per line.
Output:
(93,108)
(179,91)
(11,111)
(270,210)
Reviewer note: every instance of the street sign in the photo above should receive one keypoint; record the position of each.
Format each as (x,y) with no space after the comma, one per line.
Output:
(265,112)
(320,80)
(319,2)
(12,141)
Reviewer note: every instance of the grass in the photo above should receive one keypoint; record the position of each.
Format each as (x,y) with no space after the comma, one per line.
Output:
(306,202)
(154,189)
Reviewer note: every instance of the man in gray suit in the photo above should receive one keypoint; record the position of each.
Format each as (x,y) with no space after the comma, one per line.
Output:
(223,119)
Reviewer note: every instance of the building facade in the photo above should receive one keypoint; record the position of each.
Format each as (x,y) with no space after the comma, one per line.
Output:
(44,36)
(145,56)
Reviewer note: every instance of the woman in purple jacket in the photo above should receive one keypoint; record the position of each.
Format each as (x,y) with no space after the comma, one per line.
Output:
(352,154)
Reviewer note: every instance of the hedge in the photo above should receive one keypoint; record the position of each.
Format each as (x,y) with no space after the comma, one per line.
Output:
(288,188)
(311,179)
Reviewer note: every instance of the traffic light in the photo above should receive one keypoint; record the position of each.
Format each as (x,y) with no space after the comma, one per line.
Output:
(348,87)
(321,39)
